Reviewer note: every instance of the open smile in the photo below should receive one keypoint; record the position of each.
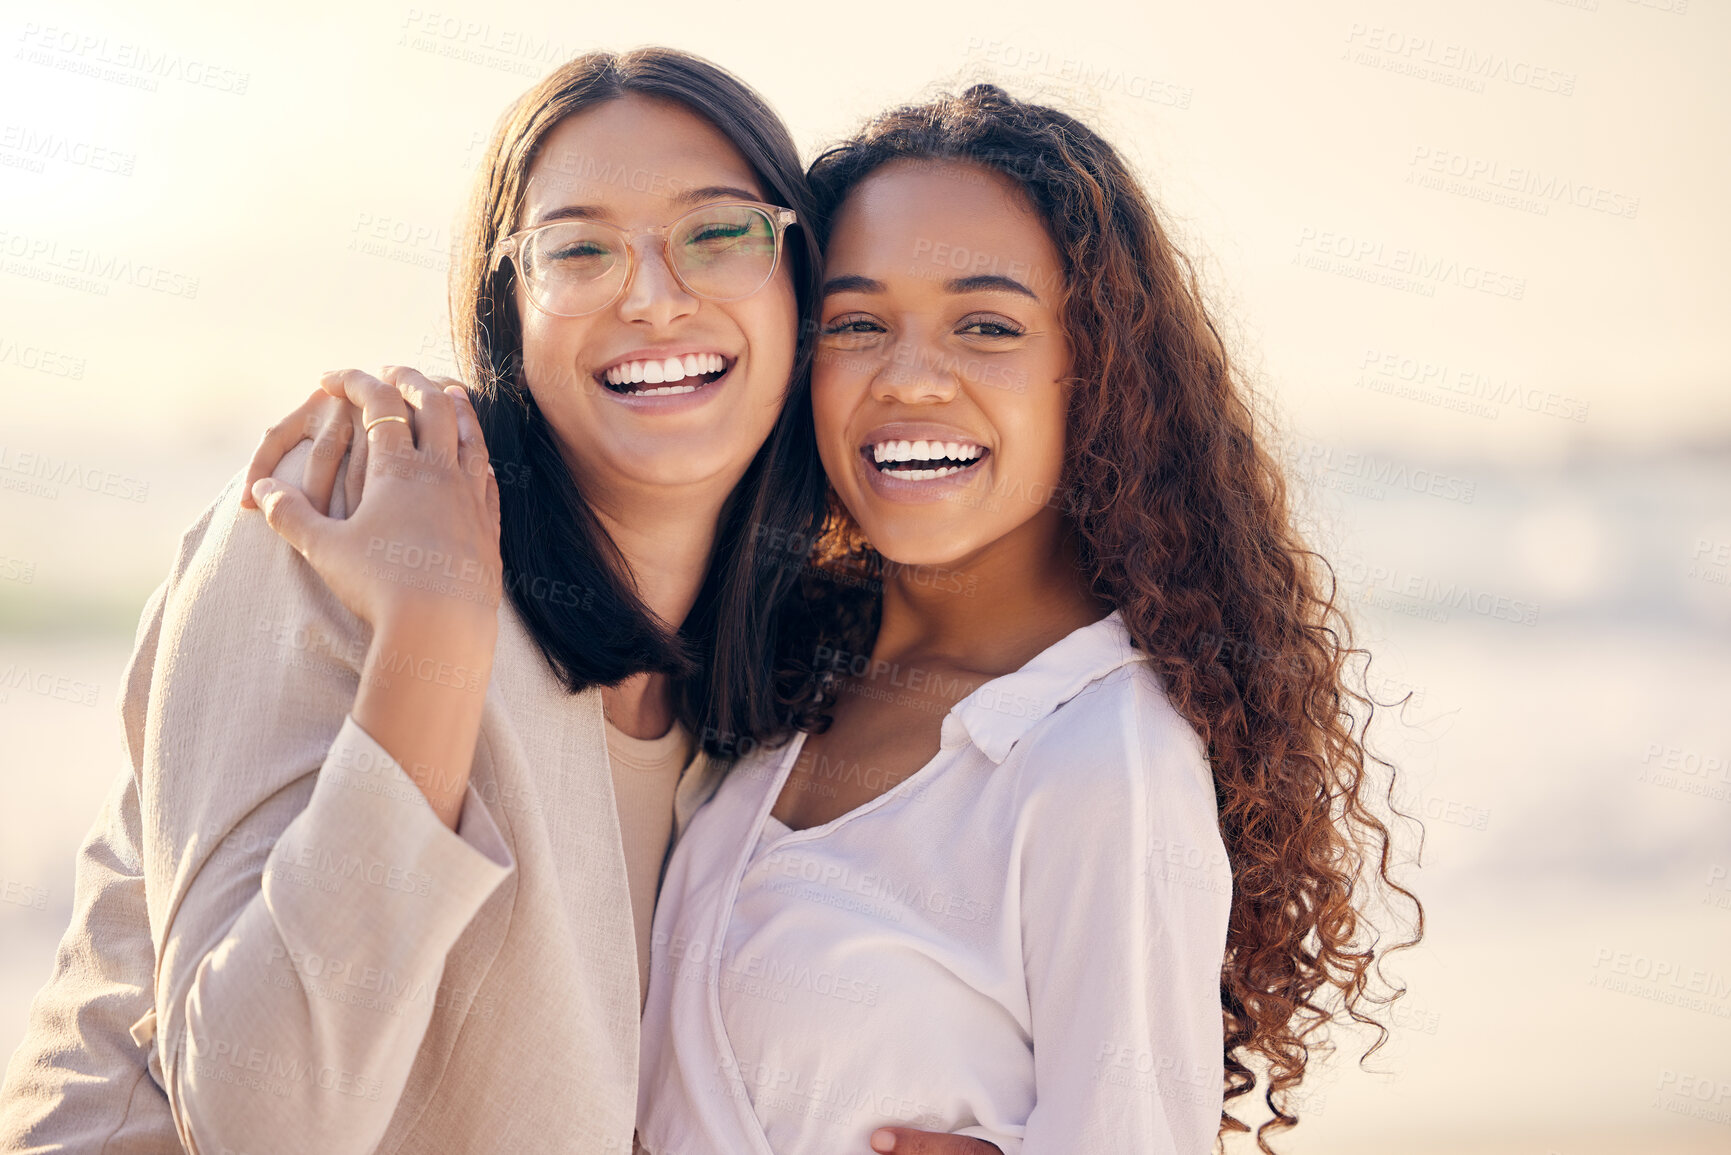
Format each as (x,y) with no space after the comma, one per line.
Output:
(923,460)
(665,376)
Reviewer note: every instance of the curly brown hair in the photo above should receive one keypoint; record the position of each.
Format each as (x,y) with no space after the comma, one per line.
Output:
(1185,526)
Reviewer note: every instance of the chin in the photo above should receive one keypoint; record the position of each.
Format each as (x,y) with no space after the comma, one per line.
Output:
(674,465)
(913,548)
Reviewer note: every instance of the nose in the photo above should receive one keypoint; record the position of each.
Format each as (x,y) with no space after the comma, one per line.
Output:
(653,295)
(915,374)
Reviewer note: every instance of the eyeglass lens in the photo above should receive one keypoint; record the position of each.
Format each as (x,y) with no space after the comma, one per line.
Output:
(724,253)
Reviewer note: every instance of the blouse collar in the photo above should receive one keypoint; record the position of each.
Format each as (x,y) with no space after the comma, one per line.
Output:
(998,714)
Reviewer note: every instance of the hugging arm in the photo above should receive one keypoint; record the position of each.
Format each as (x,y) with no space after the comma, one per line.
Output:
(79,1080)
(305,892)
(314,903)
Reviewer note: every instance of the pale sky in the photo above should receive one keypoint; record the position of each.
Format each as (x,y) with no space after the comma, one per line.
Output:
(236,159)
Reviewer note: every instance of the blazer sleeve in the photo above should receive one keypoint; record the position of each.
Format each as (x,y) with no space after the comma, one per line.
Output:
(298,894)
(78,1081)
(1123,954)
(307,894)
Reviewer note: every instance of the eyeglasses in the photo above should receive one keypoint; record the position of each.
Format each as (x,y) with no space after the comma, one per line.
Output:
(721,252)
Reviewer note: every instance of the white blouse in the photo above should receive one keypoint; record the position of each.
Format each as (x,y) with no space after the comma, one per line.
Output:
(1021,942)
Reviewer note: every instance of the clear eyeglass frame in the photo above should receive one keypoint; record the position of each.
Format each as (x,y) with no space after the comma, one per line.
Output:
(513,246)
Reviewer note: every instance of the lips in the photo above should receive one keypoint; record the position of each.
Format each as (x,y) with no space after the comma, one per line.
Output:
(649,375)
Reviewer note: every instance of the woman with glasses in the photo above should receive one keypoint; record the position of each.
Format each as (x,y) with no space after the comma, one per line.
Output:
(380,875)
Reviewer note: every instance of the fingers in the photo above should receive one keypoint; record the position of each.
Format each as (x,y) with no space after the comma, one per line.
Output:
(435,413)
(471,445)
(287,510)
(278,440)
(907,1141)
(336,431)
(493,501)
(356,478)
(377,399)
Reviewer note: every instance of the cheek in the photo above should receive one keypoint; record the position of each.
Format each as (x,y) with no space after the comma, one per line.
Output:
(770,324)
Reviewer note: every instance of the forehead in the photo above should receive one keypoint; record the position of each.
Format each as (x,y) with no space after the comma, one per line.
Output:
(948,214)
(633,156)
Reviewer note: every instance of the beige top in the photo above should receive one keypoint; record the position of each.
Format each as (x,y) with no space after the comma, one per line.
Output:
(277,946)
(645,772)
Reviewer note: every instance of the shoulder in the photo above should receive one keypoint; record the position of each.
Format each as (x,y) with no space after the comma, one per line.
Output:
(234,578)
(1117,746)
(248,648)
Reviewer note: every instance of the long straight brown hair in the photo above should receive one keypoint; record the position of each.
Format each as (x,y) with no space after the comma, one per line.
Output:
(563,573)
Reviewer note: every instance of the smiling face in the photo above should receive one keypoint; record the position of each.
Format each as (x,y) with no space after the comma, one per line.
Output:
(661,388)
(938,390)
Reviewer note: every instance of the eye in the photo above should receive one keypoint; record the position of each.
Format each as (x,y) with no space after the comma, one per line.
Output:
(852,325)
(712,233)
(990,327)
(578,250)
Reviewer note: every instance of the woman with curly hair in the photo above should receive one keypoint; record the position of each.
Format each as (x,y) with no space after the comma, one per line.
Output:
(1075,834)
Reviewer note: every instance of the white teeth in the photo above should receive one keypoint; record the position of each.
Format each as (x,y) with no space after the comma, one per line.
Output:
(668,370)
(924,451)
(666,391)
(927,474)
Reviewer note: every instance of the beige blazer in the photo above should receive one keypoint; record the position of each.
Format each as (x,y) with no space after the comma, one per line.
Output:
(276,946)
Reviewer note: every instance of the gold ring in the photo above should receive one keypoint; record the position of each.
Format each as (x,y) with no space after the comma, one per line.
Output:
(368,426)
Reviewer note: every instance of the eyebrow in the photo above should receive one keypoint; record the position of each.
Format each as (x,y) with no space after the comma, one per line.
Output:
(694,196)
(990,282)
(851,283)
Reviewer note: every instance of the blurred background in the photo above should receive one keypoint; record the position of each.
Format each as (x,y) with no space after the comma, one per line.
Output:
(1472,254)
